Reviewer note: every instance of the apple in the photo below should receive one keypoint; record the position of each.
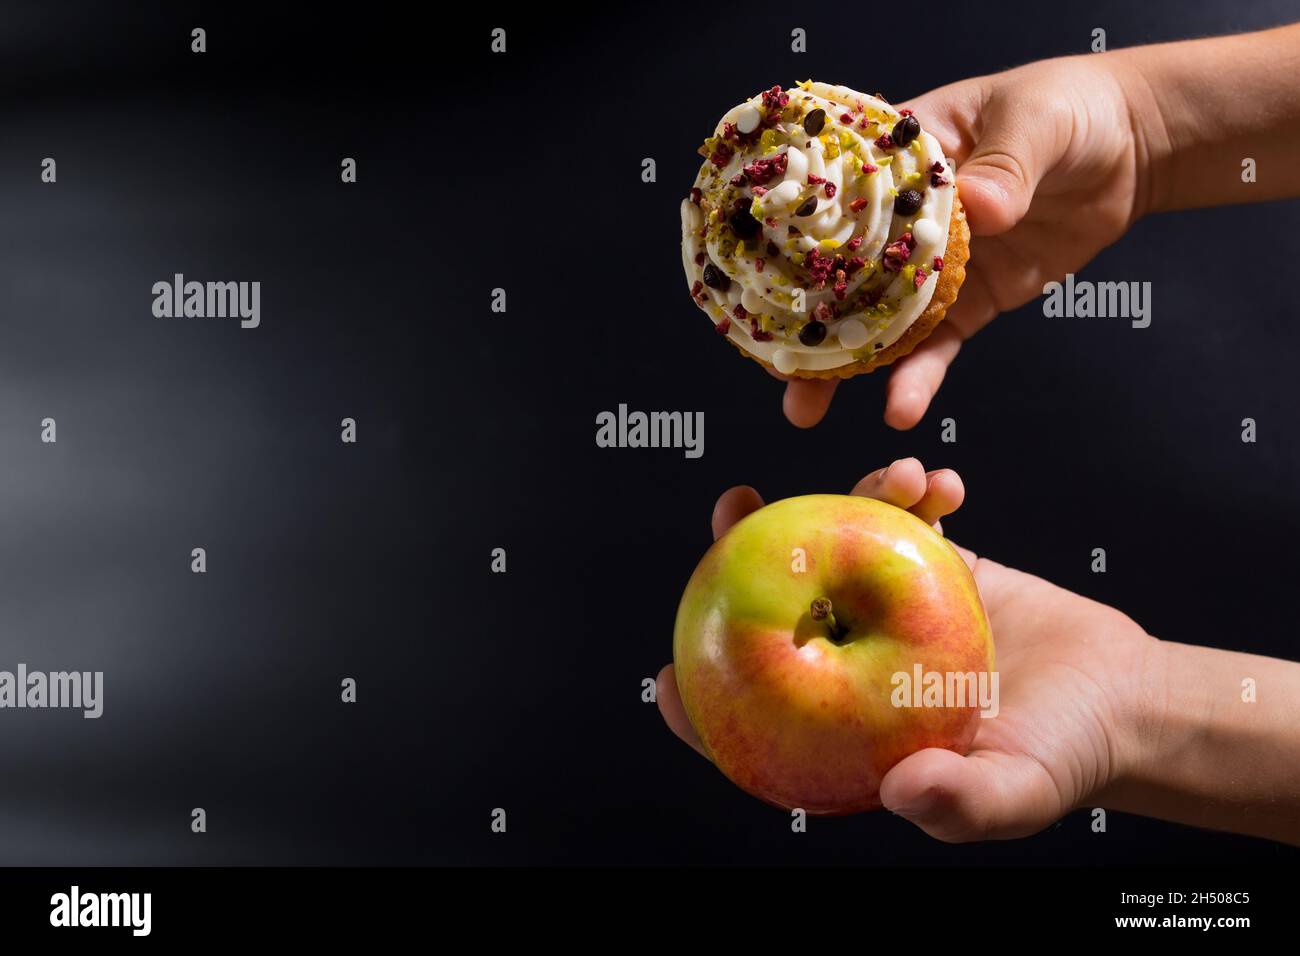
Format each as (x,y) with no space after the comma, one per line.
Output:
(790,635)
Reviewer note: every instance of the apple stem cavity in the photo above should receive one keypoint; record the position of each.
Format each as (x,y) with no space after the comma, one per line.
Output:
(822,612)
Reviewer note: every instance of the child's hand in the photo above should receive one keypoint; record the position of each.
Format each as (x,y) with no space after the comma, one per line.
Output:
(1055,160)
(1051,169)
(1073,690)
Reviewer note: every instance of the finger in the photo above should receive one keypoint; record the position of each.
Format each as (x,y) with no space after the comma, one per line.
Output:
(1020,138)
(947,112)
(984,796)
(734,504)
(902,484)
(807,399)
(944,493)
(1003,144)
(916,377)
(670,705)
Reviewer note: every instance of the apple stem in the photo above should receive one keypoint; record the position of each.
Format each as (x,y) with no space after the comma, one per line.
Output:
(821,610)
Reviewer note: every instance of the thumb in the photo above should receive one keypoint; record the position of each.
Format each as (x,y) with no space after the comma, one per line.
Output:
(1016,144)
(996,191)
(958,799)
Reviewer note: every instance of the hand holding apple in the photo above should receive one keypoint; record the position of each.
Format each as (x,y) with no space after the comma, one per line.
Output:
(1076,677)
(789,636)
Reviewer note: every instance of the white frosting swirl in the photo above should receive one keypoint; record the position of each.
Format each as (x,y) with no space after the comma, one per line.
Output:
(762,154)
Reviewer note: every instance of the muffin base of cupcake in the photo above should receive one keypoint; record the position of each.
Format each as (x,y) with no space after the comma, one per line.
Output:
(947,282)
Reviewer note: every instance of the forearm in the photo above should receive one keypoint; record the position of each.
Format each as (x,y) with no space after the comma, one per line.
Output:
(1200,108)
(1219,744)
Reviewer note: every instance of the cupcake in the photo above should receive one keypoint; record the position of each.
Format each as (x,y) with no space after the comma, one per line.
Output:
(823,235)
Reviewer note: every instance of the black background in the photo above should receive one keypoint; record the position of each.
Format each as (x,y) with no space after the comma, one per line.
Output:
(325,560)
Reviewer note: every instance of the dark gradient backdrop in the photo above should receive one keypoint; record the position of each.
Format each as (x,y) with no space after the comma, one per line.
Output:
(522,690)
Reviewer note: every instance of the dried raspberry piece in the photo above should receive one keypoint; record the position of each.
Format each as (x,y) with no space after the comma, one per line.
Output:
(825,312)
(775,100)
(758,334)
(830,190)
(696,195)
(737,180)
(815,180)
(758,264)
(864,123)
(869,168)
(699,258)
(820,265)
(938,263)
(898,252)
(854,264)
(697,291)
(723,327)
(936,177)
(728,130)
(904,112)
(771,223)
(722,154)
(858,204)
(918,280)
(846,119)
(740,313)
(853,243)
(759,190)
(762,170)
(884,141)
(841,283)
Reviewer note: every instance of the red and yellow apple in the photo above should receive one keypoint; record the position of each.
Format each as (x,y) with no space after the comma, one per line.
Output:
(789,637)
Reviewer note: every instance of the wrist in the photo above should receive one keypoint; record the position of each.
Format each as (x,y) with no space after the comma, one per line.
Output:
(1215,743)
(1163,706)
(1203,112)
(1146,114)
